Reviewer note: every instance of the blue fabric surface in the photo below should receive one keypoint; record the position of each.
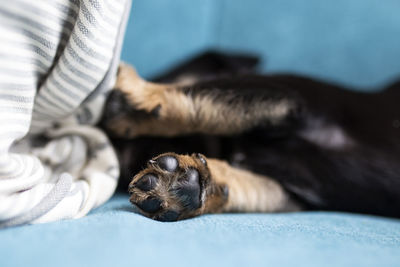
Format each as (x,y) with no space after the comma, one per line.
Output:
(354,42)
(347,41)
(114,236)
(161,33)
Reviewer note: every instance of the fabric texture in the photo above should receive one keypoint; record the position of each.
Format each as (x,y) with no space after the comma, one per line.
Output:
(113,235)
(355,42)
(58,60)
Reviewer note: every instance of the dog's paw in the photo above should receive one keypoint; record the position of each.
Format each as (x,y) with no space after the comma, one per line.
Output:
(175,187)
(133,107)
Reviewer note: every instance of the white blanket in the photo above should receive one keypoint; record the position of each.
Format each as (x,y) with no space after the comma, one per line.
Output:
(58,59)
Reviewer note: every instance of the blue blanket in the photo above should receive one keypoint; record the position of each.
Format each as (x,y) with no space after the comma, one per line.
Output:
(115,236)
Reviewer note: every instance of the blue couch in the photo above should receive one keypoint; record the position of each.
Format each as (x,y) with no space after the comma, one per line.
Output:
(353,42)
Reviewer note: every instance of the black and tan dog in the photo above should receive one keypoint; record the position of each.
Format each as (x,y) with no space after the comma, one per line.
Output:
(281,143)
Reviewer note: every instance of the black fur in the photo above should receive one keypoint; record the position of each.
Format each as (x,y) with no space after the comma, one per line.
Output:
(358,173)
(210,65)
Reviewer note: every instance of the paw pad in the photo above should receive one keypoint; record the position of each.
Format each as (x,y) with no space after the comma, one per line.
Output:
(167,163)
(149,205)
(147,182)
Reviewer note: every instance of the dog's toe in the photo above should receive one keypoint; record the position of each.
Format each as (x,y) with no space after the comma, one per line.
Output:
(149,205)
(147,182)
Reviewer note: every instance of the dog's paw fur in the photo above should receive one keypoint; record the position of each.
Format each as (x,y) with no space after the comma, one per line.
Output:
(175,187)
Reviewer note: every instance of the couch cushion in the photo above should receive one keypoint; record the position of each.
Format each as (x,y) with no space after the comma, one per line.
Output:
(113,235)
(352,42)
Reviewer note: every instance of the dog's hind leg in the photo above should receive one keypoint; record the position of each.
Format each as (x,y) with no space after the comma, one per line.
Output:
(174,187)
(221,106)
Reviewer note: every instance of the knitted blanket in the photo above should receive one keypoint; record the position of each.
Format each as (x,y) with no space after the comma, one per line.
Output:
(58,59)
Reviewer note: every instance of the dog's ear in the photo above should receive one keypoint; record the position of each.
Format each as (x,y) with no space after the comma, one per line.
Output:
(211,64)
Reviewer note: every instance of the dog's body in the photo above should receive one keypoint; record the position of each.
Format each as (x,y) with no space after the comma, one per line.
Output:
(326,147)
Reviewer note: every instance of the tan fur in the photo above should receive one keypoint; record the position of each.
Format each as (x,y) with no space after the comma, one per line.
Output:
(247,191)
(250,192)
(182,114)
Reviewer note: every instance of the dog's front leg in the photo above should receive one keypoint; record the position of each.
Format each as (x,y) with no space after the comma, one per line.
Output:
(222,107)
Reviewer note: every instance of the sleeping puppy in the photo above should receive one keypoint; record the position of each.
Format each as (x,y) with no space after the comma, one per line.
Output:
(243,142)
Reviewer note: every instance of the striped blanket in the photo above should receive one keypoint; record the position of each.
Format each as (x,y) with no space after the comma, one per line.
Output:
(58,59)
